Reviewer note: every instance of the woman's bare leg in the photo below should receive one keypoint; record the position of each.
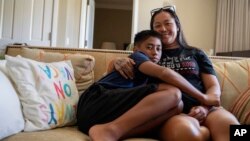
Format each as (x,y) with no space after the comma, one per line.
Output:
(222,118)
(149,108)
(184,128)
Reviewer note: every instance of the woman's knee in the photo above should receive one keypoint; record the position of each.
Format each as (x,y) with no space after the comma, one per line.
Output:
(182,127)
(183,120)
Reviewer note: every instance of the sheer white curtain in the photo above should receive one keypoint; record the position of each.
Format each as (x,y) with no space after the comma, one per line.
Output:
(233,25)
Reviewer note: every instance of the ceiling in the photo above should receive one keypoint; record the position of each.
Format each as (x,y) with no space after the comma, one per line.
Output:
(114,4)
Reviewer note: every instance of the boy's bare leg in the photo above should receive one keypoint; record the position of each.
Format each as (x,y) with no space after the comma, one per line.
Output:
(149,108)
(158,122)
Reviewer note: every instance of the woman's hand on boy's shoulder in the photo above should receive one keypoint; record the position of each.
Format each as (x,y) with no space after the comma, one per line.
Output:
(124,66)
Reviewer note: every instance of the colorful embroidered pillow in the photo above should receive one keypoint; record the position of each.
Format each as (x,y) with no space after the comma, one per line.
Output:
(234,78)
(47,91)
(11,119)
(83,64)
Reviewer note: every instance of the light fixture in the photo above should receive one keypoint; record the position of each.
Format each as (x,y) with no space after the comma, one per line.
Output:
(108,45)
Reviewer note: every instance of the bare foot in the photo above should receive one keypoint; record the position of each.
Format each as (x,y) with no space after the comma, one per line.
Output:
(103,132)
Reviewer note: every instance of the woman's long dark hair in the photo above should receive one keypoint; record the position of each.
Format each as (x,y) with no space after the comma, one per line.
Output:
(180,35)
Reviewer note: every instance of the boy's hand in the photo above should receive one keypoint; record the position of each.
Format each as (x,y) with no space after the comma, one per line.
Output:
(125,67)
(199,112)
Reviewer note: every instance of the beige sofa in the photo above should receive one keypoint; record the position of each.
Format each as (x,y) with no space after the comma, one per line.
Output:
(233,74)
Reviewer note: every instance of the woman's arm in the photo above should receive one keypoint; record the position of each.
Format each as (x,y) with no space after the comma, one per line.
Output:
(171,77)
(212,88)
(211,84)
(123,65)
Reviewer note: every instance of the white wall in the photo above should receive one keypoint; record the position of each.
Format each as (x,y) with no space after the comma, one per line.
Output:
(198,19)
(141,14)
(145,6)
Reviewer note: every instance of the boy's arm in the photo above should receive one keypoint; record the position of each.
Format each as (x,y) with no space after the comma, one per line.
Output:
(171,77)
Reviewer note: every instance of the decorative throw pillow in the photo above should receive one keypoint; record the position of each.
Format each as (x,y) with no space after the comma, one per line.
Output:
(47,91)
(11,119)
(3,67)
(83,64)
(234,78)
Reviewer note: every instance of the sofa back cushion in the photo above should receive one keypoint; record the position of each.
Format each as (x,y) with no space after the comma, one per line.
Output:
(83,64)
(234,78)
(103,56)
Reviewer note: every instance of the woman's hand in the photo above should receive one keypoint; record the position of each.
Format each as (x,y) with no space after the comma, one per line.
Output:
(124,66)
(199,112)
(211,100)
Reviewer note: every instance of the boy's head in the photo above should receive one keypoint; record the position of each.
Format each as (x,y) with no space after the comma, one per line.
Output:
(149,42)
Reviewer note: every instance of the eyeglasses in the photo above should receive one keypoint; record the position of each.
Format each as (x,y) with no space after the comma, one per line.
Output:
(168,7)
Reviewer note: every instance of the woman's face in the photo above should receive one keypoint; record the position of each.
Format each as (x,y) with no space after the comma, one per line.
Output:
(165,24)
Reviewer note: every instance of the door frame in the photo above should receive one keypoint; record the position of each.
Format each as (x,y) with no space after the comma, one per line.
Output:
(134,19)
(83,24)
(54,26)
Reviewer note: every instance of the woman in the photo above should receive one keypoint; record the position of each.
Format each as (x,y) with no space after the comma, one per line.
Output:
(198,121)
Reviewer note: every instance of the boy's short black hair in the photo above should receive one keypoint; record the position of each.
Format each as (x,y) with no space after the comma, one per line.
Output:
(144,35)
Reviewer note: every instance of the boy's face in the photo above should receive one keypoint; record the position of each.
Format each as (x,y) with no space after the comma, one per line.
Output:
(152,47)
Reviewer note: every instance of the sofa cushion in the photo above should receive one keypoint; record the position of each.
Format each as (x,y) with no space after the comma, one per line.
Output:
(58,134)
(47,91)
(83,64)
(11,119)
(234,78)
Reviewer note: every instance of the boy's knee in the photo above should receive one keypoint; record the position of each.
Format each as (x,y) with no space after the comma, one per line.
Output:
(176,93)
(180,106)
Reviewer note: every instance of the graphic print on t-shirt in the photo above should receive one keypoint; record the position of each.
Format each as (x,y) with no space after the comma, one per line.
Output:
(184,65)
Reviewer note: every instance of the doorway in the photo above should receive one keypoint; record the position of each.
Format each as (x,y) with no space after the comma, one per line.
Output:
(113,23)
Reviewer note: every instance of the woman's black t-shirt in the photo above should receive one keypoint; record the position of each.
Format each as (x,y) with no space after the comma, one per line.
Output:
(190,62)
